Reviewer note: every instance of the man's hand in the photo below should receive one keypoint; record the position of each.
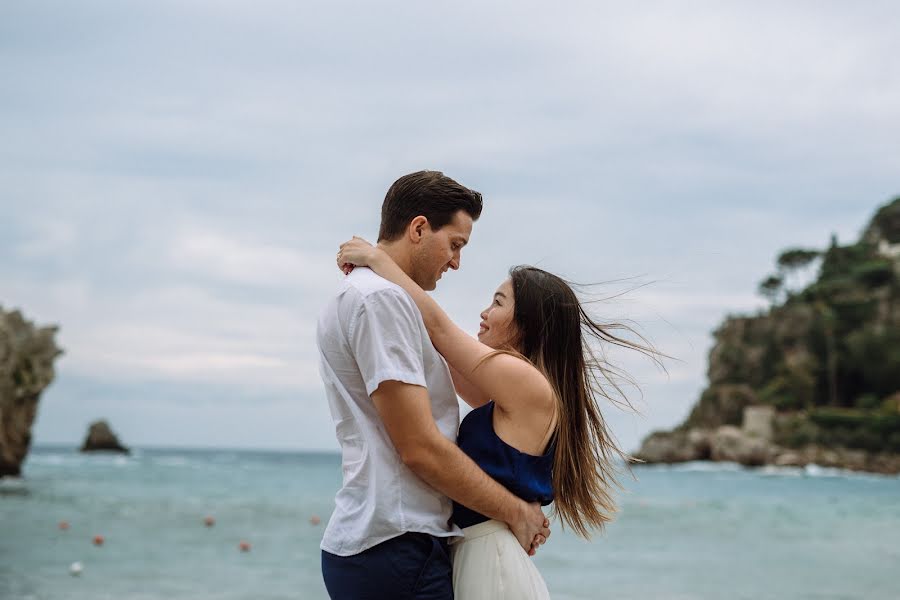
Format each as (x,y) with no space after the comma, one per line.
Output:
(406,412)
(539,540)
(532,528)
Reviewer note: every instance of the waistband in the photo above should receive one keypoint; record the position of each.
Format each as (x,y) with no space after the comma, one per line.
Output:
(480,530)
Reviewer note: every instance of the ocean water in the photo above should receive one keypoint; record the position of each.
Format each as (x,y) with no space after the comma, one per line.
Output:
(694,531)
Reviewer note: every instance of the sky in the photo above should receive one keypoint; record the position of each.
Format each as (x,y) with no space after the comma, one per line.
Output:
(175,178)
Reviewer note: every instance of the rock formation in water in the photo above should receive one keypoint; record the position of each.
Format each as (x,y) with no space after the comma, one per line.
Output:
(101,438)
(816,378)
(26,369)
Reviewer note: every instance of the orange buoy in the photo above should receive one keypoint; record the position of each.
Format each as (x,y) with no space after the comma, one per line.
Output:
(244,546)
(64,525)
(314,520)
(209,521)
(98,540)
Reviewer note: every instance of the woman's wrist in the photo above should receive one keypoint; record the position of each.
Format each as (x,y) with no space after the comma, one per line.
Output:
(379,258)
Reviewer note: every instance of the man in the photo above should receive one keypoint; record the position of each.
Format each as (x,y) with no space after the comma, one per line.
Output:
(396,413)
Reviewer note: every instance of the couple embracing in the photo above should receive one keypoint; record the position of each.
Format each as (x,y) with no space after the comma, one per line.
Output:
(431,508)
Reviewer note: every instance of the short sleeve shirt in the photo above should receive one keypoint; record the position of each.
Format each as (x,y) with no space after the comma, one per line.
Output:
(372,332)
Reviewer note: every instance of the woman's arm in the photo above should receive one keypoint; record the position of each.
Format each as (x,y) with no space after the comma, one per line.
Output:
(508,380)
(469,392)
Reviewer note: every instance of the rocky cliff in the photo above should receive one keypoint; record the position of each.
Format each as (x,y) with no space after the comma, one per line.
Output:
(824,361)
(26,369)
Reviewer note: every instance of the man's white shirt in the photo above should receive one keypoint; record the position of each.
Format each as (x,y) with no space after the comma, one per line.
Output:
(371,332)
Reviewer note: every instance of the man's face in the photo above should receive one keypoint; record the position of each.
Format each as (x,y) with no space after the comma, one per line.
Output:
(440,250)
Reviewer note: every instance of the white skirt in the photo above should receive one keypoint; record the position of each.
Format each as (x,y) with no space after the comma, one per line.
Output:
(489,564)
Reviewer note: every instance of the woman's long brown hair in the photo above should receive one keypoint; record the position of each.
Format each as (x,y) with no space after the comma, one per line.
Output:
(555,333)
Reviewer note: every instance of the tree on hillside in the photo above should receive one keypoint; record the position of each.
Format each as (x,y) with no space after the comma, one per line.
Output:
(793,259)
(791,263)
(886,223)
(828,319)
(770,288)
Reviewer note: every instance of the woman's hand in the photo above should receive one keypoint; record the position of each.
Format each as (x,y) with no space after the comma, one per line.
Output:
(356,252)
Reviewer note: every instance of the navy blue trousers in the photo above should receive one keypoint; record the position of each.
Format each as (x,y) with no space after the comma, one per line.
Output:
(413,566)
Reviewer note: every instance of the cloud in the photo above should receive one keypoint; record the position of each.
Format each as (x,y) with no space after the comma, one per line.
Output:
(235,261)
(174,180)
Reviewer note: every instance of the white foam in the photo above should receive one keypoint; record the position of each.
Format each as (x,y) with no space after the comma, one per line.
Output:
(696,466)
(12,485)
(810,470)
(776,471)
(814,470)
(55,460)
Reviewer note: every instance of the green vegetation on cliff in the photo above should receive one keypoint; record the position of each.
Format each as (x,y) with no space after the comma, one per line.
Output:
(826,354)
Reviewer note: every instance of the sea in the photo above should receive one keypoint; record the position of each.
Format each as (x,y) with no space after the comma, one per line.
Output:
(687,532)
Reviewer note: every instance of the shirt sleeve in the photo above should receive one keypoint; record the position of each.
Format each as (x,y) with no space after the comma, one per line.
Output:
(387,341)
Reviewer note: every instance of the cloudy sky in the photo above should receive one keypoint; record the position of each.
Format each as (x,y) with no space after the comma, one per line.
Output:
(176,176)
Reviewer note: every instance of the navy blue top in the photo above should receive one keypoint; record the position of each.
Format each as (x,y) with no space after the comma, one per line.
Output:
(527,476)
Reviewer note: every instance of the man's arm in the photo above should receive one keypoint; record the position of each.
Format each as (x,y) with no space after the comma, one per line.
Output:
(405,410)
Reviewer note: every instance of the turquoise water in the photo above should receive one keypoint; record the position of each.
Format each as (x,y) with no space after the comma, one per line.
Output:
(690,532)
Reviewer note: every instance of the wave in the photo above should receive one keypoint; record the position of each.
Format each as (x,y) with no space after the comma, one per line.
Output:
(775,471)
(13,486)
(56,459)
(811,470)
(814,470)
(78,459)
(818,471)
(695,466)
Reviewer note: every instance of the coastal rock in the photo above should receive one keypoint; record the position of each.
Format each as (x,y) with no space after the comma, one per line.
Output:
(789,459)
(855,460)
(663,447)
(26,369)
(721,404)
(729,443)
(101,438)
(827,457)
(698,439)
(888,464)
(840,458)
(675,446)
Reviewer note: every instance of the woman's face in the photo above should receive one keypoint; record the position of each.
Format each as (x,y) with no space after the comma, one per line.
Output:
(497,326)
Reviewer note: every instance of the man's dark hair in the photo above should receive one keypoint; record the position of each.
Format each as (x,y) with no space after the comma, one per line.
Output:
(430,194)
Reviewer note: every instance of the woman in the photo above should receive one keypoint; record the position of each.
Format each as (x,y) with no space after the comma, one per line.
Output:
(532,380)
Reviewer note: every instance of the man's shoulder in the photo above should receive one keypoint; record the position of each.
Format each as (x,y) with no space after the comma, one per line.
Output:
(364,284)
(363,290)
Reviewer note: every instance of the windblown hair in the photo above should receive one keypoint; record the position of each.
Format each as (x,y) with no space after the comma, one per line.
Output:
(430,194)
(555,333)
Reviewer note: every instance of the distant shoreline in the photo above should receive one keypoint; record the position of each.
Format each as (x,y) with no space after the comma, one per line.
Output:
(74,447)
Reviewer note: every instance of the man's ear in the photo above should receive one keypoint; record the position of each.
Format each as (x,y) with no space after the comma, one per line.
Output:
(417,228)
